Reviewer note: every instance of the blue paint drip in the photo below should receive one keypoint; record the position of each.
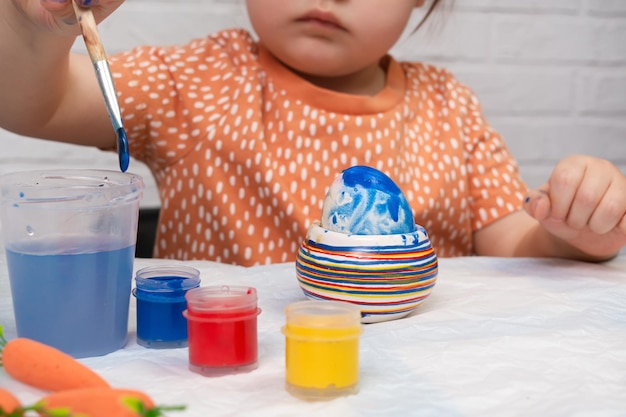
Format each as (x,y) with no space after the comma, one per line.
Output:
(122,149)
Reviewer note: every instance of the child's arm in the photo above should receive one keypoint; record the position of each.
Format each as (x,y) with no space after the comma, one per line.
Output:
(579,213)
(45,91)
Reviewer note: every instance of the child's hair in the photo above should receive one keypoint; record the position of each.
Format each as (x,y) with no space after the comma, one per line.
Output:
(430,10)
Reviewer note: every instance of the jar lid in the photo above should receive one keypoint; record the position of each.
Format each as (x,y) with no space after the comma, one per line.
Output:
(222,298)
(167,278)
(323,314)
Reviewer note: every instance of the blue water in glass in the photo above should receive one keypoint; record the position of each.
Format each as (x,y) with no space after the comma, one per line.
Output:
(160,320)
(77,303)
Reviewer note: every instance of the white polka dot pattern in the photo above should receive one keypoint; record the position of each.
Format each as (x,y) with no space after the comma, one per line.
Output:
(243,151)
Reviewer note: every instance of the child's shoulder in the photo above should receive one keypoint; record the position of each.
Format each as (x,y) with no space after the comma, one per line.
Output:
(232,45)
(436,78)
(427,72)
(233,39)
(228,43)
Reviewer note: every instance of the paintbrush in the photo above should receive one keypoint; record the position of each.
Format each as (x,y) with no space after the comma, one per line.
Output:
(98,57)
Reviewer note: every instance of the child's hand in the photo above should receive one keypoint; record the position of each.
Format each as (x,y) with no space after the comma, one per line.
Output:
(58,15)
(584,204)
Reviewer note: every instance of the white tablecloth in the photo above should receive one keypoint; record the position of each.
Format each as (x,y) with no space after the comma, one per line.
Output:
(497,337)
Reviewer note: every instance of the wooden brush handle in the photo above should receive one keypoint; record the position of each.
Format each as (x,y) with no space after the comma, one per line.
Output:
(89,28)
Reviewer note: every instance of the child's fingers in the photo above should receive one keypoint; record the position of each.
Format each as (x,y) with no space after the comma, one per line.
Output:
(582,193)
(60,4)
(61,10)
(55,4)
(610,212)
(622,225)
(537,203)
(592,198)
(87,3)
(564,184)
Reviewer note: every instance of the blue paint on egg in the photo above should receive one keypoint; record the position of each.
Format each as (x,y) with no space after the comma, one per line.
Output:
(364,201)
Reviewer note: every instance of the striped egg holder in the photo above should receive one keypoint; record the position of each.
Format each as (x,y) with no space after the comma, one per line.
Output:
(388,276)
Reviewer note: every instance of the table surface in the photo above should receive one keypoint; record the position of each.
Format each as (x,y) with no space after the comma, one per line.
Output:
(496,337)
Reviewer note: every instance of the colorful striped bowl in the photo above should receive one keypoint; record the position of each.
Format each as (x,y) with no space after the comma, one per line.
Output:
(388,276)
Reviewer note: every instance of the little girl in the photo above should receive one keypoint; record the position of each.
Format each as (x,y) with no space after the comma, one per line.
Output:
(245,135)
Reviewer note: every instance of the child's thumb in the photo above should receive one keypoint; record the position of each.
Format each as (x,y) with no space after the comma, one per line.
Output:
(537,203)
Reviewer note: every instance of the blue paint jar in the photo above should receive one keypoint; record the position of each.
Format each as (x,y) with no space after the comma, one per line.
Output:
(160,293)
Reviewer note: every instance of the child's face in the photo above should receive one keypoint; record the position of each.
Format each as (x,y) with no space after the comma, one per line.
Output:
(329,38)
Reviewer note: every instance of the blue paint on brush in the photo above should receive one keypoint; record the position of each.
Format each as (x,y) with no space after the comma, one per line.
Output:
(122,149)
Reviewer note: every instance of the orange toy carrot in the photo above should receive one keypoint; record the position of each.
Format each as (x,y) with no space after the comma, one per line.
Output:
(44,367)
(101,402)
(97,402)
(8,402)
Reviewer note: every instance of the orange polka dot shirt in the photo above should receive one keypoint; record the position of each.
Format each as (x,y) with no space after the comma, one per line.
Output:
(243,150)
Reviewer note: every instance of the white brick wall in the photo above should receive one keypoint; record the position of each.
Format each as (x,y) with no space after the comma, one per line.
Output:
(551,74)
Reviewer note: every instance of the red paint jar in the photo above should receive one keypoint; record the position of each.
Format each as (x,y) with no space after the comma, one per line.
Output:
(222,329)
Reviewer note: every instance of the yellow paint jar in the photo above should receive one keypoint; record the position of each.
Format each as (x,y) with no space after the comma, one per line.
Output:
(322,349)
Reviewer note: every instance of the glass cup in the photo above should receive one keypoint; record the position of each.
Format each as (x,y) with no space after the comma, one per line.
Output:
(222,324)
(160,293)
(70,237)
(322,349)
